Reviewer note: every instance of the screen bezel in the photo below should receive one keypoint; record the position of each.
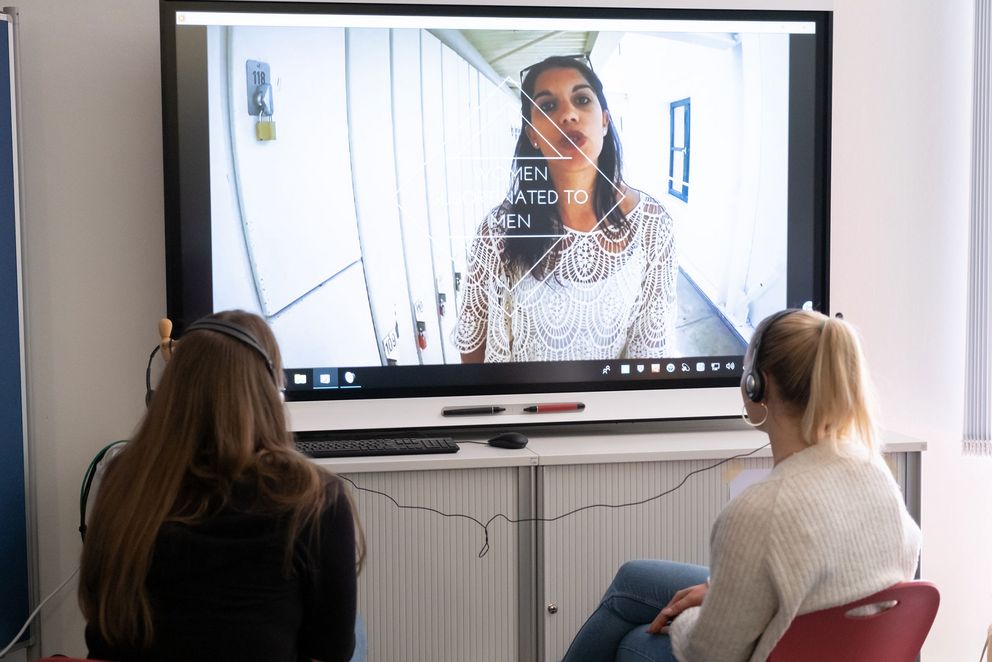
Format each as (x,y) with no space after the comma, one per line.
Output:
(188,243)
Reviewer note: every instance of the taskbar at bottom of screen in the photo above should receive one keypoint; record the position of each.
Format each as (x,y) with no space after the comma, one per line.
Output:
(614,372)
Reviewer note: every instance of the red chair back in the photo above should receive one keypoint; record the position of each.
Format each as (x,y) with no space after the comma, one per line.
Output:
(895,634)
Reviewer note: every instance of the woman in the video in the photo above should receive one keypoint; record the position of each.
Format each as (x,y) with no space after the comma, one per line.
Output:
(574,264)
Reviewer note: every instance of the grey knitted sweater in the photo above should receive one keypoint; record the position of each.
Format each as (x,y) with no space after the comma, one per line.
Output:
(826,527)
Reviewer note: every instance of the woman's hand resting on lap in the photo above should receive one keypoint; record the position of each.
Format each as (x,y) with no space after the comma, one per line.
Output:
(687,597)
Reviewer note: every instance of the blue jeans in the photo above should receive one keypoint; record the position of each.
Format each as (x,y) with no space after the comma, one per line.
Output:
(617,630)
(361,640)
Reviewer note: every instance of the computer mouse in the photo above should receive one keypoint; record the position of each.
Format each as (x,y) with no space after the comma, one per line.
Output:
(509,440)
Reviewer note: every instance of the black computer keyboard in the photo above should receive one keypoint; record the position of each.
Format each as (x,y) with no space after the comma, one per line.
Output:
(316,445)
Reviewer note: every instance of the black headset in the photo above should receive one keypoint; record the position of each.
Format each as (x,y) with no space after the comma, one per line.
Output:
(228,329)
(754,383)
(238,333)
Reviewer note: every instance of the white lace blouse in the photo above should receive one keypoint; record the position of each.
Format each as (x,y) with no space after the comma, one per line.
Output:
(610,294)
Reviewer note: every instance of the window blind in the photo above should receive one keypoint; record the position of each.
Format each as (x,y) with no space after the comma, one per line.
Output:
(978,368)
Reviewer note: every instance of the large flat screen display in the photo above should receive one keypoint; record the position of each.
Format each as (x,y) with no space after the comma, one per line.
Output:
(442,206)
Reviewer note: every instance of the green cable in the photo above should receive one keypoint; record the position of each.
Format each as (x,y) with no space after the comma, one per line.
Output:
(84,488)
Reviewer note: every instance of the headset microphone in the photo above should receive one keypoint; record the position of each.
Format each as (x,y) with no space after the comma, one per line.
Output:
(165,331)
(165,346)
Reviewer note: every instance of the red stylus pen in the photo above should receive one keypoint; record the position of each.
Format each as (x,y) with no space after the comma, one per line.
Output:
(555,407)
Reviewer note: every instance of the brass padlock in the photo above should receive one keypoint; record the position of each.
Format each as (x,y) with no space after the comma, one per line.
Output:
(265,128)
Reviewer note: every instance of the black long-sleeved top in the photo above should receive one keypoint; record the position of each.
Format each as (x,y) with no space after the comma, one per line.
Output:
(219,591)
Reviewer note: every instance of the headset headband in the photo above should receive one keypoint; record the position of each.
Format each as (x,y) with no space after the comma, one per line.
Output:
(238,333)
(226,328)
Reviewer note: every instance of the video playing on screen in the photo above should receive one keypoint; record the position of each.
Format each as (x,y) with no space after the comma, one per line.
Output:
(435,190)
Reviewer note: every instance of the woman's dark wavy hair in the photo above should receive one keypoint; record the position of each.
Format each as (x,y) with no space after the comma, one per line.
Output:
(520,256)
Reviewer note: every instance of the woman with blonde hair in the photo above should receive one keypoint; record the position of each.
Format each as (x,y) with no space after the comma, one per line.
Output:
(211,536)
(826,527)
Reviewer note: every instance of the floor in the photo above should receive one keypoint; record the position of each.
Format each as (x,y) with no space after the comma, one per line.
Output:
(700,329)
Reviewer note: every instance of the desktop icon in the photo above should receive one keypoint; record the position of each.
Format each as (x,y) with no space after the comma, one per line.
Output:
(701,366)
(670,367)
(624,368)
(656,367)
(325,378)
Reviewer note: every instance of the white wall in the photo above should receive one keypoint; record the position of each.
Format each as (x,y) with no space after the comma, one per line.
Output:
(94,262)
(94,259)
(901,168)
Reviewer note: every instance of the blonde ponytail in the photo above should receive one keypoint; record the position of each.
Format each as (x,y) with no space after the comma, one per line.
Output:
(840,403)
(820,370)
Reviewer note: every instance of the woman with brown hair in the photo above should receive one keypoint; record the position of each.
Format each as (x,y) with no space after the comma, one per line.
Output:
(211,536)
(827,526)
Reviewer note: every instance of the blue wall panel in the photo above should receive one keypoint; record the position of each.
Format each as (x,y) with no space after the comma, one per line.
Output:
(13,519)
